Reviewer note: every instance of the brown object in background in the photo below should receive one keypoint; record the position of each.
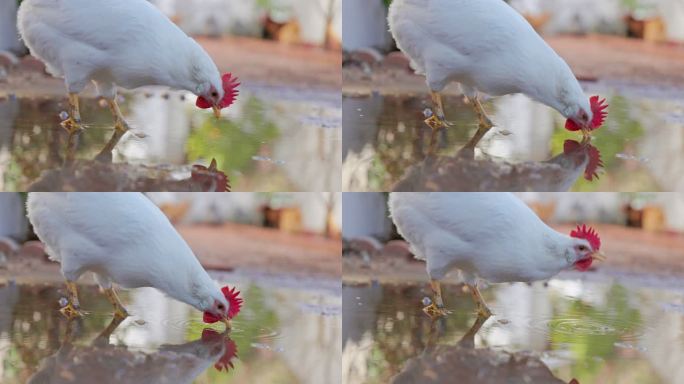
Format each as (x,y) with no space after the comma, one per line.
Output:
(652,29)
(287,32)
(285,219)
(538,21)
(545,211)
(653,219)
(175,211)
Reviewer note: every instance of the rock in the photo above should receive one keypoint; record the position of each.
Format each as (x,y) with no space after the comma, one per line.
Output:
(397,249)
(8,246)
(32,64)
(34,249)
(365,244)
(369,56)
(397,60)
(469,365)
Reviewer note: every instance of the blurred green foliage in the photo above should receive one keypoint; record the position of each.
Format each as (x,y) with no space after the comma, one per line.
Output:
(233,142)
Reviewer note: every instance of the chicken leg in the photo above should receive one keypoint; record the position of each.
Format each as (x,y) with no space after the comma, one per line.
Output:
(437,121)
(436,308)
(482,309)
(72,124)
(120,128)
(71,309)
(484,126)
(119,310)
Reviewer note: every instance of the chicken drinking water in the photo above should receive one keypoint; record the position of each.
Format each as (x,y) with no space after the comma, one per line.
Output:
(124,238)
(489,236)
(486,46)
(125,43)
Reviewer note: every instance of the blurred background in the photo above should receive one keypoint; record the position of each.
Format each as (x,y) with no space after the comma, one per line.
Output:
(282,251)
(628,51)
(286,54)
(621,322)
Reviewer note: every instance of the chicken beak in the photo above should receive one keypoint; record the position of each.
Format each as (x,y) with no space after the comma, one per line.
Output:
(600,256)
(217,111)
(227,322)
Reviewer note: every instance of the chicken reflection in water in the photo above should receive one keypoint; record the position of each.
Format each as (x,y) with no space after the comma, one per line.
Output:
(443,363)
(464,173)
(101,362)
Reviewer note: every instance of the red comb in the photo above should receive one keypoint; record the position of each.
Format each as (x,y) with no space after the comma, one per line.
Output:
(234,301)
(598,110)
(230,85)
(589,234)
(595,161)
(226,360)
(230,90)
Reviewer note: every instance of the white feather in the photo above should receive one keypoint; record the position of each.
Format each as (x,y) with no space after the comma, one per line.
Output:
(128,43)
(486,46)
(122,238)
(493,236)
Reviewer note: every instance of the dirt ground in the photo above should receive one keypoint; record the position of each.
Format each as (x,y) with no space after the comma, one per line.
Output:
(253,61)
(629,250)
(592,58)
(229,247)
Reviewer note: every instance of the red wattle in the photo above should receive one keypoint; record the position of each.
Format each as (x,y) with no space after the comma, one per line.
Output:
(234,301)
(203,103)
(584,264)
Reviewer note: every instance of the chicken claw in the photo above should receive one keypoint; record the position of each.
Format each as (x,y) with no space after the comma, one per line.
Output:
(434,311)
(72,124)
(70,311)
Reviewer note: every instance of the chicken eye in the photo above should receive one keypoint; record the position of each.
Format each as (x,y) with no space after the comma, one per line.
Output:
(220,306)
(214,94)
(582,248)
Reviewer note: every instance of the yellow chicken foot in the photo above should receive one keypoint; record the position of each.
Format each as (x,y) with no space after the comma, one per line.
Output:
(71,308)
(482,309)
(120,128)
(436,308)
(485,124)
(119,310)
(437,121)
(72,124)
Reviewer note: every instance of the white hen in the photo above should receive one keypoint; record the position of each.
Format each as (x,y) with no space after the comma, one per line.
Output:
(126,43)
(490,236)
(122,238)
(486,46)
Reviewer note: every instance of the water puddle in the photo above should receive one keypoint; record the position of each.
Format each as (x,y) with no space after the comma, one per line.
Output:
(639,148)
(598,330)
(271,140)
(272,340)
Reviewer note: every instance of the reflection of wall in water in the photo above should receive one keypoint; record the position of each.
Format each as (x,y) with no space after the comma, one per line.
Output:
(312,345)
(164,320)
(360,125)
(662,340)
(531,126)
(166,124)
(359,306)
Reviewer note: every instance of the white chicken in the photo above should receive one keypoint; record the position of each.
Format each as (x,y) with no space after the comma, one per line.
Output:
(126,43)
(123,238)
(490,236)
(486,46)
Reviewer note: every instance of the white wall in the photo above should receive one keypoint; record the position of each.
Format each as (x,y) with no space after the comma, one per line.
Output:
(9,36)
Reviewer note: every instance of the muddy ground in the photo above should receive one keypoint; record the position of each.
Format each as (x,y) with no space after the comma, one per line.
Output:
(228,247)
(609,59)
(253,61)
(629,251)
